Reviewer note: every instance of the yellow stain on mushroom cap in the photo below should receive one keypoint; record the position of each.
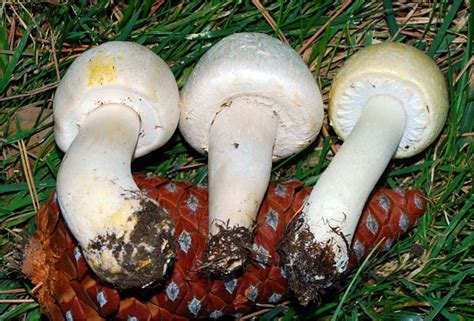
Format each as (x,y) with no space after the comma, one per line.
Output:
(101,70)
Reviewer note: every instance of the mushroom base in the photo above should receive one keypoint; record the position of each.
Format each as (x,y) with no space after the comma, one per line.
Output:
(308,263)
(227,251)
(145,257)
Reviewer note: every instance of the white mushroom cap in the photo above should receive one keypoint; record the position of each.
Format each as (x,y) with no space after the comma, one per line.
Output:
(124,73)
(400,71)
(258,65)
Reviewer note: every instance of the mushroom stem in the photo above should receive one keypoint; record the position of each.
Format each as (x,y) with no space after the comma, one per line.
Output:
(336,202)
(89,161)
(241,141)
(95,181)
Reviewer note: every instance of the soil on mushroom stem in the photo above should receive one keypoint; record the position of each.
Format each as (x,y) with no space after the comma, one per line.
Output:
(151,237)
(228,247)
(310,264)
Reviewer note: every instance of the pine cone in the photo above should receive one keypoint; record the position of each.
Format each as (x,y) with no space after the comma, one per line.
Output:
(68,290)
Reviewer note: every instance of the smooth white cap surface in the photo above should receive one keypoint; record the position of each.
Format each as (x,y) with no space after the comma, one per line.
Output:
(402,72)
(257,65)
(118,73)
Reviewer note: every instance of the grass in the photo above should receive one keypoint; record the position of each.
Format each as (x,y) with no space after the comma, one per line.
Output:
(426,276)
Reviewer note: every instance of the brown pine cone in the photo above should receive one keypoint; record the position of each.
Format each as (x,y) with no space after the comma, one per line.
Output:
(68,290)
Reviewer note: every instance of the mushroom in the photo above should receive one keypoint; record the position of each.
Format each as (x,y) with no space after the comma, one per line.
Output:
(389,100)
(117,101)
(249,101)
